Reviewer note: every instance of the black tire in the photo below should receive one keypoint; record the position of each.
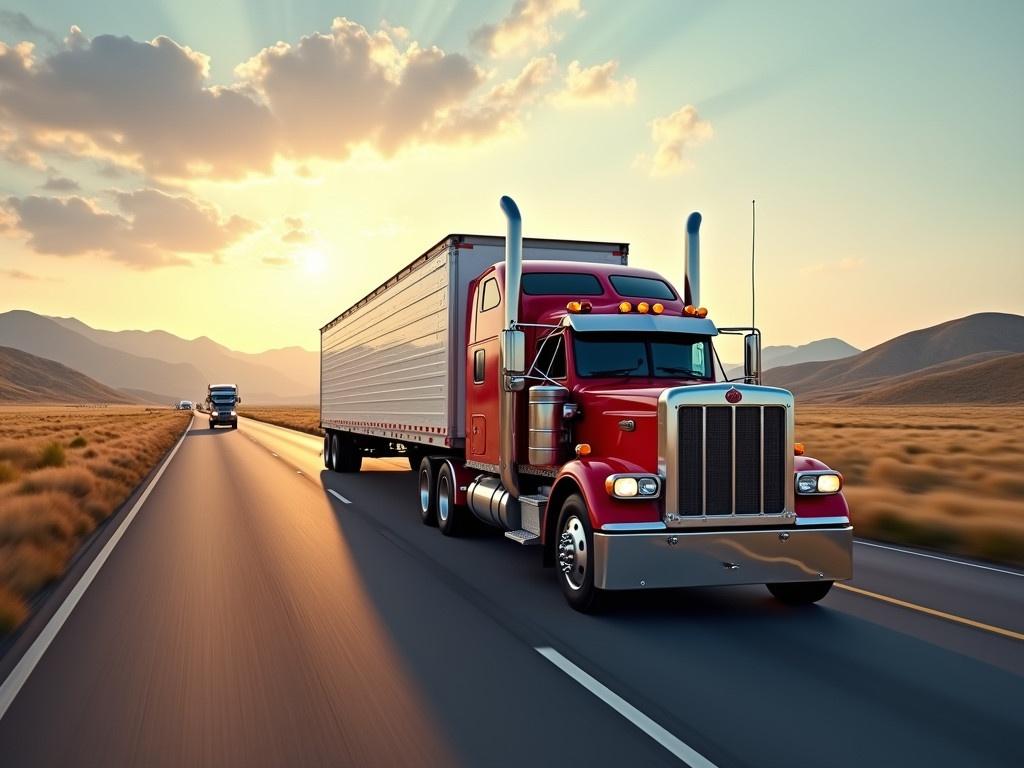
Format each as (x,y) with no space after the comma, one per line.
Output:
(574,546)
(349,459)
(451,517)
(800,592)
(426,491)
(327,450)
(211,425)
(234,425)
(334,452)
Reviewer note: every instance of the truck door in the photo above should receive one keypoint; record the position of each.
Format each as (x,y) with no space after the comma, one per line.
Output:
(482,371)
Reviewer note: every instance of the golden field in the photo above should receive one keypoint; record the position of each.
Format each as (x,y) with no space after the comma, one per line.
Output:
(945,477)
(302,418)
(63,470)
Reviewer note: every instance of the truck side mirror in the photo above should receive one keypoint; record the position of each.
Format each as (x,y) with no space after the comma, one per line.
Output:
(752,357)
(238,399)
(513,360)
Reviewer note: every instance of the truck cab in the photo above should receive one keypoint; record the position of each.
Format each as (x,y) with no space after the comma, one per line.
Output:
(222,401)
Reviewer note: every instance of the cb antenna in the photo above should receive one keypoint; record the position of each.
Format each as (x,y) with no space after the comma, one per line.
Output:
(753,235)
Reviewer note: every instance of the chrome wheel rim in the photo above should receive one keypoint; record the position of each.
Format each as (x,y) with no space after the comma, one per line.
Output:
(443,493)
(334,452)
(572,553)
(424,491)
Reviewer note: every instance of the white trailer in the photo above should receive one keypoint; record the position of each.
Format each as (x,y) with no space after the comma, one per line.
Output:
(393,365)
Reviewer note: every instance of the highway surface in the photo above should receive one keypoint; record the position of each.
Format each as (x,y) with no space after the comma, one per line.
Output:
(261,611)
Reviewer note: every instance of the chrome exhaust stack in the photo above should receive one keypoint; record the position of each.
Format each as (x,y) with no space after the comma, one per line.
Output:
(513,348)
(692,275)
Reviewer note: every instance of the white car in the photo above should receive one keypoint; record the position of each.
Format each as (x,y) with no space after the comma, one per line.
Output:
(185,405)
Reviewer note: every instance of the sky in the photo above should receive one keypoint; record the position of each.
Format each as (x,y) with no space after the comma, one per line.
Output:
(247,170)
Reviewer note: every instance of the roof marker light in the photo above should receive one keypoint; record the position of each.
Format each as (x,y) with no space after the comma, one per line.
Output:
(690,310)
(658,309)
(702,312)
(643,307)
(625,306)
(574,306)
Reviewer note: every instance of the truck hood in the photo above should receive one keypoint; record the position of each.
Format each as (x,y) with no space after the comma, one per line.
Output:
(606,411)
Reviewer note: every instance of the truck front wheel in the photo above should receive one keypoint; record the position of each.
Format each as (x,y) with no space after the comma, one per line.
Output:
(800,592)
(574,556)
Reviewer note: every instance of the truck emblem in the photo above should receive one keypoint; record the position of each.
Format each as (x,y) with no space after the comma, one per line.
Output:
(733,395)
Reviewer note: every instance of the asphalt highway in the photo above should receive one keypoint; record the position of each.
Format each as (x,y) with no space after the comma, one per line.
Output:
(260,610)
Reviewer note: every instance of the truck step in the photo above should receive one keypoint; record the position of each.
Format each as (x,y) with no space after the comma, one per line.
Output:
(524,537)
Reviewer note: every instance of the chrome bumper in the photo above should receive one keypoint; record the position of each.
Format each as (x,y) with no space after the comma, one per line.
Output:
(706,558)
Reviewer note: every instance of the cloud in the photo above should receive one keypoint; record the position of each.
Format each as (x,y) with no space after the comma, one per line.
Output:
(17,274)
(277,261)
(22,26)
(147,107)
(152,229)
(674,136)
(595,85)
(499,110)
(60,184)
(528,27)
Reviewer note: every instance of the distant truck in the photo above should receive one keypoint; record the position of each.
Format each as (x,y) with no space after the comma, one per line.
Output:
(221,401)
(185,405)
(572,401)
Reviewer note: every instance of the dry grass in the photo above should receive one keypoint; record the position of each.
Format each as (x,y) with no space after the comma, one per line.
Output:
(63,470)
(302,418)
(946,477)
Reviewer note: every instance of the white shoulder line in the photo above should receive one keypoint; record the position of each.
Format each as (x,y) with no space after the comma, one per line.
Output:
(937,557)
(675,746)
(19,675)
(338,496)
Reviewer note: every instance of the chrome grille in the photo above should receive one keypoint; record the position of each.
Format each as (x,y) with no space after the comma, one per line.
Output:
(725,468)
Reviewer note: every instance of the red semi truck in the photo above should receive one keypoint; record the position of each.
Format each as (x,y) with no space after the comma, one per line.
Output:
(547,388)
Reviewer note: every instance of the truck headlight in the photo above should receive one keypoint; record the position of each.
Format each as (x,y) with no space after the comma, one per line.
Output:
(818,482)
(214,413)
(233,413)
(633,486)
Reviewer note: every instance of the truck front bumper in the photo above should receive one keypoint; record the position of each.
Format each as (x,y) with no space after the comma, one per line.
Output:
(679,558)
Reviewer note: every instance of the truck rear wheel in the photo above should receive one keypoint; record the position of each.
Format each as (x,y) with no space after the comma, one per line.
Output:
(348,458)
(427,491)
(574,556)
(327,450)
(332,456)
(800,592)
(450,516)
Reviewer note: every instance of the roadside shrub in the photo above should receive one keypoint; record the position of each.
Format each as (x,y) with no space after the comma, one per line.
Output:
(73,481)
(78,442)
(12,610)
(8,472)
(52,455)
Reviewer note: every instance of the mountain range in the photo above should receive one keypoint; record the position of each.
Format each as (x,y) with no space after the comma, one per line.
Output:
(156,366)
(968,360)
(25,378)
(776,356)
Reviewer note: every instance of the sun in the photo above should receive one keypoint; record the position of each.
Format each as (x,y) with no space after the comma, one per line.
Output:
(312,260)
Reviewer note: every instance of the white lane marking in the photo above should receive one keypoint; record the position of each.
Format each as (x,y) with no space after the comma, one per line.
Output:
(274,455)
(20,674)
(666,740)
(338,496)
(937,557)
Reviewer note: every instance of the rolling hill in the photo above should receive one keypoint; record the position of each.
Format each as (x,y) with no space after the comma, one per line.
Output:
(996,381)
(156,366)
(25,378)
(940,350)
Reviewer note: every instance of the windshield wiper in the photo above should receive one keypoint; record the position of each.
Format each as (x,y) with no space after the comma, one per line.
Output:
(673,371)
(614,372)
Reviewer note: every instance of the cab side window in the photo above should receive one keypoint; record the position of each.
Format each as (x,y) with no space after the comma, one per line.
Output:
(489,297)
(551,357)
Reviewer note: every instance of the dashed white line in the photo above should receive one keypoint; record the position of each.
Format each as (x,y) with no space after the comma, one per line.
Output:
(666,740)
(937,557)
(20,674)
(338,496)
(274,455)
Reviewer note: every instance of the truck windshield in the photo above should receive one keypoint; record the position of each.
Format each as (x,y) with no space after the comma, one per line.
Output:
(660,356)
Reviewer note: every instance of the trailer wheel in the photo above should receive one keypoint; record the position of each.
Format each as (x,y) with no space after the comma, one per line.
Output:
(427,491)
(574,556)
(450,516)
(333,453)
(327,450)
(348,458)
(800,592)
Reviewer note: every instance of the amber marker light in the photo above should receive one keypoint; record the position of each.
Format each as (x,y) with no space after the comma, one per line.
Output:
(625,306)
(643,307)
(690,310)
(658,309)
(798,449)
(585,307)
(583,449)
(702,312)
(574,306)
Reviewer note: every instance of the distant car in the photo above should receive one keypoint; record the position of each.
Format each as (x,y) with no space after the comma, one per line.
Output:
(185,405)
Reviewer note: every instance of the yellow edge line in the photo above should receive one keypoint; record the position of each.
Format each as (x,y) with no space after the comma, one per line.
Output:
(932,612)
